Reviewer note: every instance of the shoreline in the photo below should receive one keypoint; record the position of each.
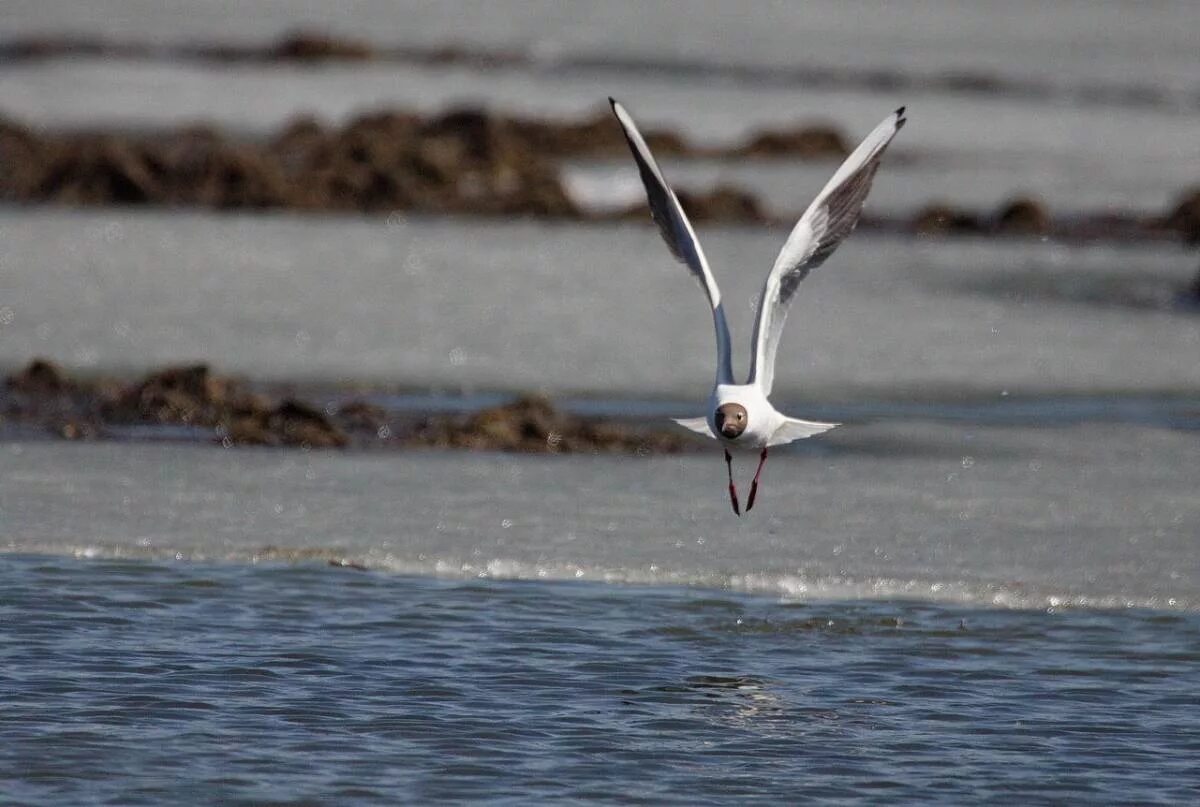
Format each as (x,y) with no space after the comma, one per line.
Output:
(192,404)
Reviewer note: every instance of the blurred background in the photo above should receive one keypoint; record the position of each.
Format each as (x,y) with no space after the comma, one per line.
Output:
(377,223)
(434,196)
(376,212)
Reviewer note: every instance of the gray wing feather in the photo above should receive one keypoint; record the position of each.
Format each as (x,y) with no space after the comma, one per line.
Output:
(831,217)
(677,231)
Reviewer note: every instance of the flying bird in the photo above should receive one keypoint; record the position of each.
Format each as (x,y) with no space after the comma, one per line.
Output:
(740,416)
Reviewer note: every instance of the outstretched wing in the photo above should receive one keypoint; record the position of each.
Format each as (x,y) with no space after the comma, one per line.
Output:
(793,429)
(698,425)
(677,232)
(829,219)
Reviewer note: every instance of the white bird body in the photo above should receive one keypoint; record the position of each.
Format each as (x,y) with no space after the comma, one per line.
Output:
(740,415)
(766,426)
(762,419)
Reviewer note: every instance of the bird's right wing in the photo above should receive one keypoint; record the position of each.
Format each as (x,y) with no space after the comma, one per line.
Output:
(829,219)
(677,232)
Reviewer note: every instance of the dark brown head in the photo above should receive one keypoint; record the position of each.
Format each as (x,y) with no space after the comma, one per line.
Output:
(730,419)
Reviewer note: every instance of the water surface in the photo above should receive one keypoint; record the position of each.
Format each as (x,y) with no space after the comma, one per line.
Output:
(1097,514)
(462,304)
(144,683)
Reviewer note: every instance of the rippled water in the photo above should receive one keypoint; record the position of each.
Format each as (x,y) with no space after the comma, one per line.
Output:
(148,683)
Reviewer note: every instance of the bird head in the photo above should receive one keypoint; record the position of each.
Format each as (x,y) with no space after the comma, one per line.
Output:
(730,420)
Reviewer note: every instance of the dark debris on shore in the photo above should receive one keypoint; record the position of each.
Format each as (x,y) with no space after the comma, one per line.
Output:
(1026,216)
(218,409)
(467,162)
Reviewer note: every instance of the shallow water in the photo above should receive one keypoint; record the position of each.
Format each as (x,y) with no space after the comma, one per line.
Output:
(586,309)
(1068,41)
(145,682)
(1097,514)
(1067,184)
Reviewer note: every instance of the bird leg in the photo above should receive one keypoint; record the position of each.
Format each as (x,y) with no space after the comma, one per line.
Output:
(762,459)
(733,499)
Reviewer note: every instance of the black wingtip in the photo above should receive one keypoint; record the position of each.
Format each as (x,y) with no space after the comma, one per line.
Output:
(899,112)
(612,102)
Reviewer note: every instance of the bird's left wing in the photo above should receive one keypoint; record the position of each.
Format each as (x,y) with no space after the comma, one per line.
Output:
(829,219)
(792,430)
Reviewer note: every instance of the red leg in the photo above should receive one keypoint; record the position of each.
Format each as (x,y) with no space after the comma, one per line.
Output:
(733,499)
(762,459)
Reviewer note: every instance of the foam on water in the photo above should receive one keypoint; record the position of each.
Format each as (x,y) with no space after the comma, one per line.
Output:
(786,587)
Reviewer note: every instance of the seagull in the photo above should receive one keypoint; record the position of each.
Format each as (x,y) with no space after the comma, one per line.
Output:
(740,416)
